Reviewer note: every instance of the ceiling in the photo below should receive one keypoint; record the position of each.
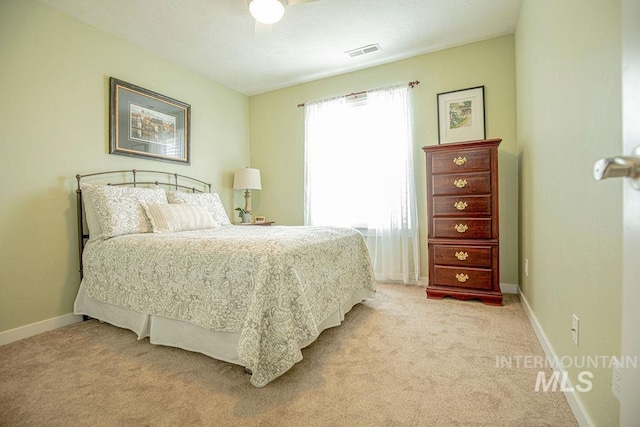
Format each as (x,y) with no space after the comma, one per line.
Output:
(217,38)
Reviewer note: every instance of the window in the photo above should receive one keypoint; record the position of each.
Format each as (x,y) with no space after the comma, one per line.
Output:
(359,173)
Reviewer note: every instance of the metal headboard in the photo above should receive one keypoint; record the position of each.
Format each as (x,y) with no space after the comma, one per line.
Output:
(129,178)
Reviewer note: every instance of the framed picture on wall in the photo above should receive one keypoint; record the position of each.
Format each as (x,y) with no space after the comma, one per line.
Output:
(461,115)
(147,124)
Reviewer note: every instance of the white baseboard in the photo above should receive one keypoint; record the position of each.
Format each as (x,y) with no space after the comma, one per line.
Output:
(509,288)
(572,396)
(27,331)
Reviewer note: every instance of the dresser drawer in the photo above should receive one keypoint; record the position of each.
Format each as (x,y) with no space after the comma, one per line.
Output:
(476,278)
(457,205)
(461,161)
(462,228)
(467,256)
(463,183)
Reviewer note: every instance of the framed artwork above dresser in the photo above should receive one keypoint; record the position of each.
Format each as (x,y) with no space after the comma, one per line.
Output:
(462,216)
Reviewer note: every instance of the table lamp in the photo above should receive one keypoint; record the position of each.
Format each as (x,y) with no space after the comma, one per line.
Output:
(247,179)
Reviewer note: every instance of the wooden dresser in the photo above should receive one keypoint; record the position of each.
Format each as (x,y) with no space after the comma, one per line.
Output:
(462,217)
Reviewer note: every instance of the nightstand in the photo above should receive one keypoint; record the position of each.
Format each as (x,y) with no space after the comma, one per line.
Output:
(267,223)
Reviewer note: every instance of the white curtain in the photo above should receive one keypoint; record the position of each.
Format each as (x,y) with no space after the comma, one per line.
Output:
(359,173)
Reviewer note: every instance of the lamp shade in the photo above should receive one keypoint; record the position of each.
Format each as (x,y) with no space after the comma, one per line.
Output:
(247,179)
(266,11)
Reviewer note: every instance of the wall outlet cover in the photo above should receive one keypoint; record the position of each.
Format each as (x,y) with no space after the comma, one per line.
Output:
(575,329)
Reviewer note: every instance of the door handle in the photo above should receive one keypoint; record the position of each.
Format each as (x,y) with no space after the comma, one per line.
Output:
(619,167)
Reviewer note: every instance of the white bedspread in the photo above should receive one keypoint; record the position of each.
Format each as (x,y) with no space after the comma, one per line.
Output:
(271,285)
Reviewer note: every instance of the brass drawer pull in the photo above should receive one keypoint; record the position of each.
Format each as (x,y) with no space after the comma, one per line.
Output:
(462,277)
(461,228)
(462,255)
(460,160)
(461,205)
(460,183)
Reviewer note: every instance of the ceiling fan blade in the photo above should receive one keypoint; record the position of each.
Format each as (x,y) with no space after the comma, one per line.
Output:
(292,2)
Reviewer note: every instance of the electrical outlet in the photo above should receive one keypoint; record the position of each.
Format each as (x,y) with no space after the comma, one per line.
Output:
(615,380)
(575,329)
(526,267)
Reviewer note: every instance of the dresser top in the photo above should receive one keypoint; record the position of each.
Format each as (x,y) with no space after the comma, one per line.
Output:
(466,144)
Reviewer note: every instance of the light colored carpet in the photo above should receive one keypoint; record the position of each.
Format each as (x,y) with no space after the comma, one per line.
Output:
(398,359)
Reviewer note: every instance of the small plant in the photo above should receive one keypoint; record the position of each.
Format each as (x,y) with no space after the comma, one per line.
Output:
(241,212)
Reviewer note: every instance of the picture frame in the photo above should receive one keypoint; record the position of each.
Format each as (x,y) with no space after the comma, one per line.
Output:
(461,115)
(147,124)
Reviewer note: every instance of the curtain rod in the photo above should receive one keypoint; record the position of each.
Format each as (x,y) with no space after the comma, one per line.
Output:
(410,84)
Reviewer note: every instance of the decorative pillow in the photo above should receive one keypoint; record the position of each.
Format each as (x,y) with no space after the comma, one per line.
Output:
(210,201)
(165,218)
(91,216)
(119,210)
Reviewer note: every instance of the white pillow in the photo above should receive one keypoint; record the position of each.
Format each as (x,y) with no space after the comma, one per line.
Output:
(210,201)
(166,218)
(91,216)
(119,210)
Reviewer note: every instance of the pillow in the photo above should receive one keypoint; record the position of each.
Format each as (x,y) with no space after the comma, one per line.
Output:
(119,210)
(91,216)
(210,201)
(165,218)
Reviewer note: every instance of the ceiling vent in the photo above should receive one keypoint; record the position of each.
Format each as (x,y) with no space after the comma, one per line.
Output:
(363,50)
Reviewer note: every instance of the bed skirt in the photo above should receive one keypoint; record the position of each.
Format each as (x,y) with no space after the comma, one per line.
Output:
(176,333)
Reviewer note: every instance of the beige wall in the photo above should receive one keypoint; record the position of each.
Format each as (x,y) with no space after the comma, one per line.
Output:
(54,86)
(277,130)
(569,115)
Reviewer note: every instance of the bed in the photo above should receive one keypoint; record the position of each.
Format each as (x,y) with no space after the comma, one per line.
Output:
(162,259)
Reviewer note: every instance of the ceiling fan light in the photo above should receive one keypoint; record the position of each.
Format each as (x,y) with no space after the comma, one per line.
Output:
(266,11)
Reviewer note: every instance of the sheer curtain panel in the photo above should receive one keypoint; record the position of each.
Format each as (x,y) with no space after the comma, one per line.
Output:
(359,173)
